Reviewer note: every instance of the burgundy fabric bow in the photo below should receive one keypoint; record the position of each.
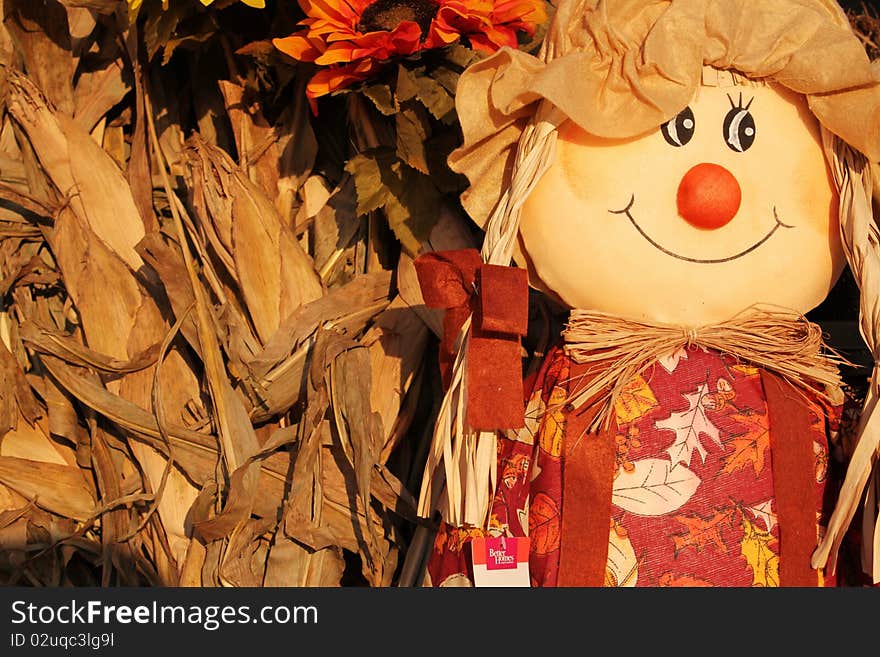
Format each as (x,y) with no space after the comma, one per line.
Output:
(461,283)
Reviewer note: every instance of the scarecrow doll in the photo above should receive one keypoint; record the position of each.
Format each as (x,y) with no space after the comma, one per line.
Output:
(688,178)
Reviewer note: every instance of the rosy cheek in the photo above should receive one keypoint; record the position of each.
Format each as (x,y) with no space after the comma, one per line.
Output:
(708,196)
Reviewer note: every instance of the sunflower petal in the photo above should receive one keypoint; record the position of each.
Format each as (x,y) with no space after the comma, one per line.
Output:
(342,12)
(300,47)
(338,77)
(333,38)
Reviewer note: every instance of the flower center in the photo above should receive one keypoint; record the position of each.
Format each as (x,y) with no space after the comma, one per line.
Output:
(385,15)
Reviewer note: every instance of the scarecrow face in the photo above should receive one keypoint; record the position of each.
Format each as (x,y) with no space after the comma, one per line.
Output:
(726,205)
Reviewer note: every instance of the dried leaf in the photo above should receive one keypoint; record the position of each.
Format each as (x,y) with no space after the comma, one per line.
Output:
(33,443)
(255,140)
(336,224)
(277,371)
(396,344)
(303,518)
(315,196)
(356,528)
(166,105)
(161,27)
(372,192)
(80,169)
(139,171)
(355,423)
(65,347)
(241,565)
(290,564)
(411,293)
(194,561)
(57,488)
(195,453)
(100,6)
(7,48)
(24,201)
(415,210)
(16,398)
(115,523)
(95,284)
(238,507)
(81,23)
(99,90)
(275,276)
(64,421)
(166,261)
(42,37)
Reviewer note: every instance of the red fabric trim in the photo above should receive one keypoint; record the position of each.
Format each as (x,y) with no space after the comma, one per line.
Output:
(503,300)
(793,480)
(587,480)
(495,392)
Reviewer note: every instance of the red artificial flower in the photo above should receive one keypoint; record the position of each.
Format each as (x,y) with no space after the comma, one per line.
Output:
(353,39)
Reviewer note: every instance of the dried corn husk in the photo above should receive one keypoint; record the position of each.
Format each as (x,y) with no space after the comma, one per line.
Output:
(187,397)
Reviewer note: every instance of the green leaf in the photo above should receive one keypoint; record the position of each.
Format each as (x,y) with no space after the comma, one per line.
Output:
(435,98)
(447,78)
(413,128)
(207,32)
(382,98)
(372,192)
(409,198)
(434,89)
(181,24)
(406,88)
(414,212)
(160,26)
(462,56)
(431,93)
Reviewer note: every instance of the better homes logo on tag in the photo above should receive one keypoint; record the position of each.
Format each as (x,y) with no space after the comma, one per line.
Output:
(501,561)
(501,554)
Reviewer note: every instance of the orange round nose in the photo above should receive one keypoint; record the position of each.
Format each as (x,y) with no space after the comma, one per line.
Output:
(708,196)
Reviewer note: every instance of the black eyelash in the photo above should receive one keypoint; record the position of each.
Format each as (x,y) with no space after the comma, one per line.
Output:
(739,104)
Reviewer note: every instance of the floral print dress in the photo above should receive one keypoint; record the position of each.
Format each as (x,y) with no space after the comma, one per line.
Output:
(692,498)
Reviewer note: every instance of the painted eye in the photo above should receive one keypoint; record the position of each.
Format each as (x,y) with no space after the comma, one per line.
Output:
(739,128)
(679,130)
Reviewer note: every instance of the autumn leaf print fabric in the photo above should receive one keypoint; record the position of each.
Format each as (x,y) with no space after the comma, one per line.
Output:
(692,498)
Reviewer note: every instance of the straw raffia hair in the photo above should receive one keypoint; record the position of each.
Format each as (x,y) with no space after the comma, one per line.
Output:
(861,242)
(619,68)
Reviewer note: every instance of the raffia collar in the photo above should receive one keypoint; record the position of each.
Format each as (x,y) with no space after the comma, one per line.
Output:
(780,340)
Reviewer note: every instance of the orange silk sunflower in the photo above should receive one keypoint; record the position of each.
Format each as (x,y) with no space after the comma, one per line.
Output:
(353,39)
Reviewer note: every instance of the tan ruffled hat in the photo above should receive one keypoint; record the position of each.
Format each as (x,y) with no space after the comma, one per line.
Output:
(619,68)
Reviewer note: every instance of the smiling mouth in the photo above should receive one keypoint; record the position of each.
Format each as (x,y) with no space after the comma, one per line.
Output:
(706,261)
